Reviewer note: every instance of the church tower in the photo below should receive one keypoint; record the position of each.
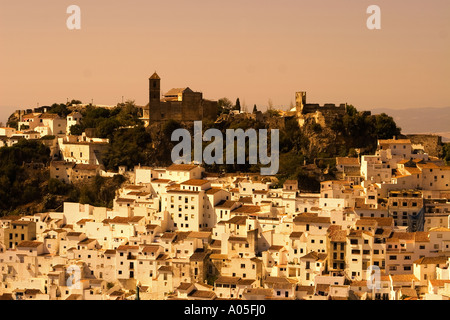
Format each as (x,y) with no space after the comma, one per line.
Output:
(154,94)
(154,90)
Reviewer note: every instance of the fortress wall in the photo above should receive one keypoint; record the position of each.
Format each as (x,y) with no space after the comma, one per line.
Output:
(326,108)
(431,143)
(209,109)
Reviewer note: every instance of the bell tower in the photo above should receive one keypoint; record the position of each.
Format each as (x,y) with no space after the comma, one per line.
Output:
(154,90)
(152,111)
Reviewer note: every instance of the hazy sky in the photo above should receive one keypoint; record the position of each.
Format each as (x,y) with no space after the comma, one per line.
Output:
(252,49)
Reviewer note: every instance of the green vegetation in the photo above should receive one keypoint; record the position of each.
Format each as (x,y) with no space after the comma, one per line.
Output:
(446,151)
(106,121)
(27,188)
(237,105)
(20,186)
(128,147)
(362,130)
(272,113)
(59,108)
(298,146)
(132,144)
(12,123)
(224,105)
(48,137)
(101,191)
(76,130)
(74,101)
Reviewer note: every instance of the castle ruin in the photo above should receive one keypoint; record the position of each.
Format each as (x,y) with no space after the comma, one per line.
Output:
(323,115)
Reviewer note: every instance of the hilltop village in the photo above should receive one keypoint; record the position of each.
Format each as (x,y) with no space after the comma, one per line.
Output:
(179,232)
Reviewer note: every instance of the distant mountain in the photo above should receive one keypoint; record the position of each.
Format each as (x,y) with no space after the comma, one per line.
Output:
(420,120)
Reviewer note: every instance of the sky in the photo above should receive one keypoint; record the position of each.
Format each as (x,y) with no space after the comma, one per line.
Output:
(257,50)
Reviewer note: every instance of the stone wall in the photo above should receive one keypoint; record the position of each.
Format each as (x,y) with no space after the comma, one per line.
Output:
(432,143)
(327,108)
(192,108)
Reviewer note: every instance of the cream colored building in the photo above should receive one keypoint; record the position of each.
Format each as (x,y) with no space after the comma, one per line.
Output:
(82,149)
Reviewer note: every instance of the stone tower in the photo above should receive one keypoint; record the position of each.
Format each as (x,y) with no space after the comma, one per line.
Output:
(300,100)
(154,91)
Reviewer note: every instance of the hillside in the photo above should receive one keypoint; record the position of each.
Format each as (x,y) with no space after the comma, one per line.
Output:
(307,153)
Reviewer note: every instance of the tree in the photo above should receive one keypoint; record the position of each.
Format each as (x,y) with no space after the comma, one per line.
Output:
(76,130)
(385,127)
(60,109)
(128,147)
(12,124)
(254,109)
(75,101)
(17,185)
(169,127)
(106,128)
(224,105)
(238,105)
(351,110)
(57,187)
(446,152)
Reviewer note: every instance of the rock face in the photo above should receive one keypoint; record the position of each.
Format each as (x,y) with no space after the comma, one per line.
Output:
(323,141)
